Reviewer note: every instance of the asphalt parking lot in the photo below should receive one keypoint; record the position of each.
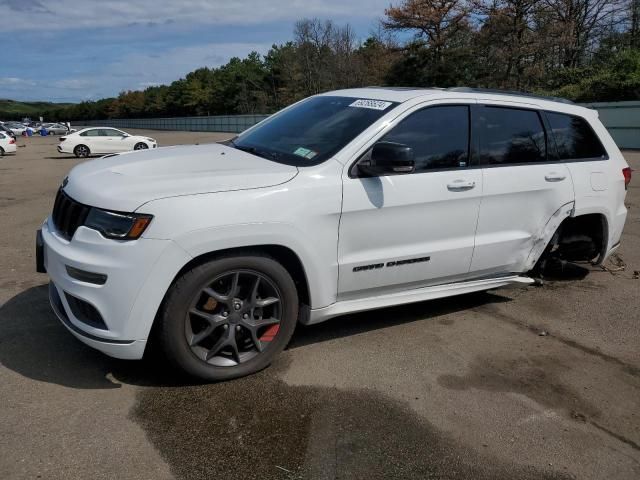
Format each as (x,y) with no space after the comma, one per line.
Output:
(528,383)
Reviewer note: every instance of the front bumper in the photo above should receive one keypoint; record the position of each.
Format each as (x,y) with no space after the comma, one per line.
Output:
(124,349)
(138,273)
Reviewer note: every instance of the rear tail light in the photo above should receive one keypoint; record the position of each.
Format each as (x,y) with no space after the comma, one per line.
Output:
(12,141)
(627,176)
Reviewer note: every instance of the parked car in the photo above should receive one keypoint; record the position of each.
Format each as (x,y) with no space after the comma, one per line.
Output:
(16,128)
(56,128)
(6,130)
(102,140)
(7,144)
(344,202)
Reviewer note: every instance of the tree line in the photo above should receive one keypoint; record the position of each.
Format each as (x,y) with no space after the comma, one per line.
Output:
(584,50)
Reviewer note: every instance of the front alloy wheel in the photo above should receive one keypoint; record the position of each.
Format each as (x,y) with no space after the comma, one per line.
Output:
(229,317)
(233,318)
(140,146)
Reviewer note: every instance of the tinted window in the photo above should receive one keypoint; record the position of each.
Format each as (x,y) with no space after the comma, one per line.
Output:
(110,132)
(574,137)
(91,133)
(439,137)
(509,135)
(312,131)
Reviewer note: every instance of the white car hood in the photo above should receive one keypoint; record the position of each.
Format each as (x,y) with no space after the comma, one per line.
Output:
(126,181)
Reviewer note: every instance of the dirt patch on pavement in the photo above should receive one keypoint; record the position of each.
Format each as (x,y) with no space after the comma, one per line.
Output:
(536,377)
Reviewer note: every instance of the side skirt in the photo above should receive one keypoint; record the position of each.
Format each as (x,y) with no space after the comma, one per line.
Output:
(412,296)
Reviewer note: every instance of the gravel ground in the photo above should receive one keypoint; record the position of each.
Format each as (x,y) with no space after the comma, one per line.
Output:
(527,383)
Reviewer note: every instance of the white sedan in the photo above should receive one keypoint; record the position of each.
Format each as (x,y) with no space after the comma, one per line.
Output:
(16,128)
(7,144)
(103,140)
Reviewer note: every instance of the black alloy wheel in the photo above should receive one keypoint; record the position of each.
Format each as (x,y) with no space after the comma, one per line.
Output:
(229,317)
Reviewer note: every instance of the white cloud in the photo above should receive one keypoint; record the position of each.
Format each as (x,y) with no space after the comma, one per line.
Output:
(75,84)
(70,14)
(9,80)
(16,82)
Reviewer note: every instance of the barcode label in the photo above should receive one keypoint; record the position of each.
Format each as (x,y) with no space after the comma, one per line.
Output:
(373,104)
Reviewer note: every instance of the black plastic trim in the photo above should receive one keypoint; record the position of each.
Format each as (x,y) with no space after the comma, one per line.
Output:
(87,277)
(40,267)
(85,312)
(58,309)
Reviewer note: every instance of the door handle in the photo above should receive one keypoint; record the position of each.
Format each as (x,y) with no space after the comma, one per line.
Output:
(554,177)
(460,185)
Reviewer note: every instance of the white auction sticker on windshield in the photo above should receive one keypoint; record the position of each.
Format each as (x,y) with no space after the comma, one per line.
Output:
(373,104)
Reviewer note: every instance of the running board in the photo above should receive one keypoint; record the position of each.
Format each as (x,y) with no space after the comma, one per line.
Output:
(411,296)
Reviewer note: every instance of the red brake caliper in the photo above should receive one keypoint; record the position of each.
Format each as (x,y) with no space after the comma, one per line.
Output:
(270,333)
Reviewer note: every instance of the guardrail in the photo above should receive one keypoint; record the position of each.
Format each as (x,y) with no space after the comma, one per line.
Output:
(622,119)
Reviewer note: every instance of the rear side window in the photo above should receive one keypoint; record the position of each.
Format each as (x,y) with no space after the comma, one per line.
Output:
(439,137)
(575,139)
(91,133)
(511,136)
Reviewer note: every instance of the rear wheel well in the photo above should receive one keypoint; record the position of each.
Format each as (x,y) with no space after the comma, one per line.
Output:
(581,238)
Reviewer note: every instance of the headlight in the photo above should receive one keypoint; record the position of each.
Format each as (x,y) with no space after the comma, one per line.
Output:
(118,226)
(151,140)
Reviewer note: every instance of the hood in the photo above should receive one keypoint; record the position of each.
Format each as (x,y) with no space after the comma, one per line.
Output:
(126,181)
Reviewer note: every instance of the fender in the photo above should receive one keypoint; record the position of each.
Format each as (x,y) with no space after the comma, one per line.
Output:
(322,277)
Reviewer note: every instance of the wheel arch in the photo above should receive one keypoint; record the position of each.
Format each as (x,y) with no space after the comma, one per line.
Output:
(572,233)
(283,255)
(595,223)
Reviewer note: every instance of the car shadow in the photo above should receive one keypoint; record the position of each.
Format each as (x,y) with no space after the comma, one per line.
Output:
(33,343)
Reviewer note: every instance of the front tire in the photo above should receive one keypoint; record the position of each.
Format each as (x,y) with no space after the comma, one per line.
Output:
(140,146)
(229,317)
(81,151)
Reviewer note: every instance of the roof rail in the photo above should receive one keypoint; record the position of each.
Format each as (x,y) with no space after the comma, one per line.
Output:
(509,92)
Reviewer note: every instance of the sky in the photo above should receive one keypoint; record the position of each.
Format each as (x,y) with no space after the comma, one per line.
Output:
(74,50)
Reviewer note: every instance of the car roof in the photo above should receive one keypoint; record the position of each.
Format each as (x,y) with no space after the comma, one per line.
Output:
(404,94)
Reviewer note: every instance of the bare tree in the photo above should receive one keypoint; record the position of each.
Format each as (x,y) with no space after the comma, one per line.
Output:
(634,26)
(580,24)
(436,21)
(509,39)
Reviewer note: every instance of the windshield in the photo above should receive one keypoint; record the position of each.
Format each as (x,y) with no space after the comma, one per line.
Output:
(313,130)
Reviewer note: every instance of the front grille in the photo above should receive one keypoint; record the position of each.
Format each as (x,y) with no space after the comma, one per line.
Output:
(68,214)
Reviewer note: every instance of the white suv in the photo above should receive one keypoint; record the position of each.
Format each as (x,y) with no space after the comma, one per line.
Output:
(343,202)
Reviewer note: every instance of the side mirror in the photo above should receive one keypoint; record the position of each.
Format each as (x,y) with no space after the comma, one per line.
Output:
(388,158)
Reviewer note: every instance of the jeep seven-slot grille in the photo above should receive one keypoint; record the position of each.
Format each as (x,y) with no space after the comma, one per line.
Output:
(68,214)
